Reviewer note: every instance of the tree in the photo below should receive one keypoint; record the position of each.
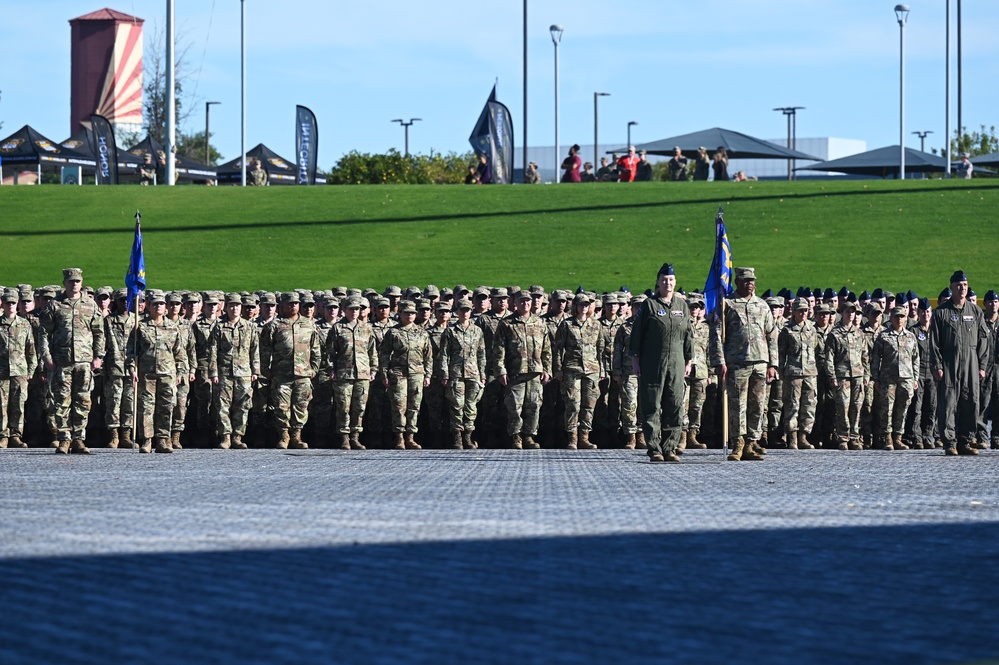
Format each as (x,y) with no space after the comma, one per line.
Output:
(192,146)
(982,142)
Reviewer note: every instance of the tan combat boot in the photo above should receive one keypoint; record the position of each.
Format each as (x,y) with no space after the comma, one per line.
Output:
(355,441)
(226,442)
(113,443)
(572,440)
(456,439)
(77,447)
(738,446)
(884,442)
(692,440)
(897,441)
(55,437)
(530,443)
(15,442)
(683,443)
(345,442)
(966,449)
(400,443)
(516,443)
(750,452)
(146,446)
(296,442)
(284,439)
(175,441)
(125,438)
(792,440)
(466,440)
(411,443)
(803,443)
(237,442)
(629,442)
(756,448)
(3,442)
(163,445)
(640,440)
(583,440)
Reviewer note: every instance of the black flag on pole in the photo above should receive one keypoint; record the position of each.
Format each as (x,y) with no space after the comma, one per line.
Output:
(105,149)
(493,137)
(306,145)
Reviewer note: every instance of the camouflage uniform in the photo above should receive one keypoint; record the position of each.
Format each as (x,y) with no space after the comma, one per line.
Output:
(989,390)
(921,420)
(462,362)
(797,345)
(289,358)
(552,405)
(321,418)
(577,364)
(607,412)
(775,391)
(17,364)
(846,365)
(522,353)
(157,355)
(697,381)
(869,407)
(378,413)
(405,359)
(434,398)
(184,387)
(491,409)
(825,403)
(258,177)
(206,392)
(894,371)
(72,336)
(352,355)
(233,359)
(119,391)
(624,374)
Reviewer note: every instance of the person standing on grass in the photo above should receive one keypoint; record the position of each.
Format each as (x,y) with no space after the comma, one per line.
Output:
(571,165)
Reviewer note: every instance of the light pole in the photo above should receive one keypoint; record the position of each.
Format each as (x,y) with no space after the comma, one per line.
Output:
(208,105)
(901,13)
(630,123)
(556,31)
(242,93)
(407,125)
(947,78)
(525,88)
(596,132)
(171,109)
(922,139)
(792,133)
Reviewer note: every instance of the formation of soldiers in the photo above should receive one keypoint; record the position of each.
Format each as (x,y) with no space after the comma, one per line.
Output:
(498,367)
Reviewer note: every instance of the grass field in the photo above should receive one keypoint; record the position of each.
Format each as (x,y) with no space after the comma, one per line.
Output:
(897,235)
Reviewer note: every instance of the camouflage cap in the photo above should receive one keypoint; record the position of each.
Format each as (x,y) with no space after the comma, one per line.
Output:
(307,298)
(481,291)
(874,308)
(210,297)
(638,299)
(745,273)
(105,291)
(608,298)
(267,298)
(174,298)
(407,306)
(353,302)
(330,301)
(121,294)
(422,304)
(25,293)
(392,292)
(581,299)
(89,290)
(233,299)
(155,296)
(460,289)
(21,287)
(365,303)
(695,298)
(800,304)
(431,291)
(380,301)
(447,292)
(354,292)
(72,273)
(291,297)
(9,295)
(852,306)
(463,303)
(369,293)
(899,311)
(412,292)
(340,291)
(499,292)
(249,300)
(522,295)
(192,297)
(442,306)
(47,291)
(775,301)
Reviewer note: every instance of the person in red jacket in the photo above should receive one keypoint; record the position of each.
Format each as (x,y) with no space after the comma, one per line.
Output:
(627,165)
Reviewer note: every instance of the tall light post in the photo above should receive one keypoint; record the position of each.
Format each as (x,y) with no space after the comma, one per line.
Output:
(171,109)
(792,133)
(596,131)
(524,165)
(407,125)
(902,14)
(208,156)
(242,92)
(922,139)
(556,31)
(630,123)
(947,78)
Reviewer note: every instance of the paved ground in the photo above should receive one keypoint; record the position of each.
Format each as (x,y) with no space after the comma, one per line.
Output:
(497,556)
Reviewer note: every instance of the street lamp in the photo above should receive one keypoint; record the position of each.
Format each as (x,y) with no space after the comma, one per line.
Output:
(242,93)
(596,134)
(407,125)
(556,31)
(208,106)
(901,13)
(922,139)
(630,123)
(792,133)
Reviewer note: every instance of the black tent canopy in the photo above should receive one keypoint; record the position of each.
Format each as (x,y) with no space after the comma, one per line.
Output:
(27,146)
(82,141)
(882,162)
(736,144)
(185,168)
(280,171)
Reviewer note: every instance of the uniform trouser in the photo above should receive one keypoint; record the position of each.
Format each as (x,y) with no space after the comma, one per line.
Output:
(607,412)
(377,412)
(206,395)
(290,399)
(262,405)
(987,406)
(893,403)
(156,396)
(523,404)
(321,409)
(661,405)
(435,407)
(463,403)
(119,402)
(13,395)
(552,408)
(747,395)
(405,392)
(629,404)
(234,400)
(579,392)
(825,410)
(868,409)
(957,413)
(39,407)
(350,398)
(800,397)
(693,403)
(180,403)
(924,418)
(849,400)
(492,410)
(775,404)
(71,386)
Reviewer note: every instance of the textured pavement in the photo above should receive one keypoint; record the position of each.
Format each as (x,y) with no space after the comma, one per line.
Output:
(267,556)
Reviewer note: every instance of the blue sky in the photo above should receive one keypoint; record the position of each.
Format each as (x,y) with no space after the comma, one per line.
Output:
(673,67)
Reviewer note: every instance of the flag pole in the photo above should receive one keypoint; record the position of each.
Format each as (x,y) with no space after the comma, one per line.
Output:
(724,382)
(135,347)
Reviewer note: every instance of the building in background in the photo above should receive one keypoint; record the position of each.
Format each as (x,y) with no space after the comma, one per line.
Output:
(106,76)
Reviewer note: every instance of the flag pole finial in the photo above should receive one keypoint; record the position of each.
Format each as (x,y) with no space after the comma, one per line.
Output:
(138,216)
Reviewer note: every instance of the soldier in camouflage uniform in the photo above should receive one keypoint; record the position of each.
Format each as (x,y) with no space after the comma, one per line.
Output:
(552,405)
(17,363)
(775,391)
(289,358)
(258,176)
(697,380)
(262,419)
(156,359)
(434,399)
(747,362)
(895,374)
(577,366)
(521,356)
(797,344)
(989,390)
(377,415)
(607,412)
(205,390)
(119,391)
(823,430)
(462,365)
(491,407)
(321,409)
(846,369)
(624,374)
(352,357)
(921,419)
(870,329)
(71,346)
(175,303)
(406,362)
(233,366)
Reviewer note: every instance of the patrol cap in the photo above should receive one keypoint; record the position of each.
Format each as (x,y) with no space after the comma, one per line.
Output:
(366,293)
(460,290)
(89,290)
(889,295)
(380,301)
(9,295)
(233,299)
(332,302)
(537,290)
(695,299)
(899,311)
(874,307)
(958,276)
(924,304)
(26,293)
(407,306)
(522,295)
(389,292)
(638,299)
(609,298)
(746,273)
(423,304)
(268,298)
(291,297)
(800,304)
(666,269)
(481,292)
(775,301)
(412,292)
(991,295)
(72,273)
(580,299)
(105,291)
(431,291)
(499,292)
(210,297)
(174,298)
(155,296)
(307,298)
(852,306)
(341,291)
(559,294)
(249,299)
(443,306)
(192,296)
(354,302)
(823,308)
(446,292)
(463,303)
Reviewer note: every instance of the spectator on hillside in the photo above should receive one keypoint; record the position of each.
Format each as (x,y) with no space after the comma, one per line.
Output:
(531,175)
(485,171)
(740,176)
(472,178)
(702,165)
(626,166)
(605,171)
(571,165)
(965,168)
(587,174)
(720,165)
(147,172)
(644,172)
(677,166)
